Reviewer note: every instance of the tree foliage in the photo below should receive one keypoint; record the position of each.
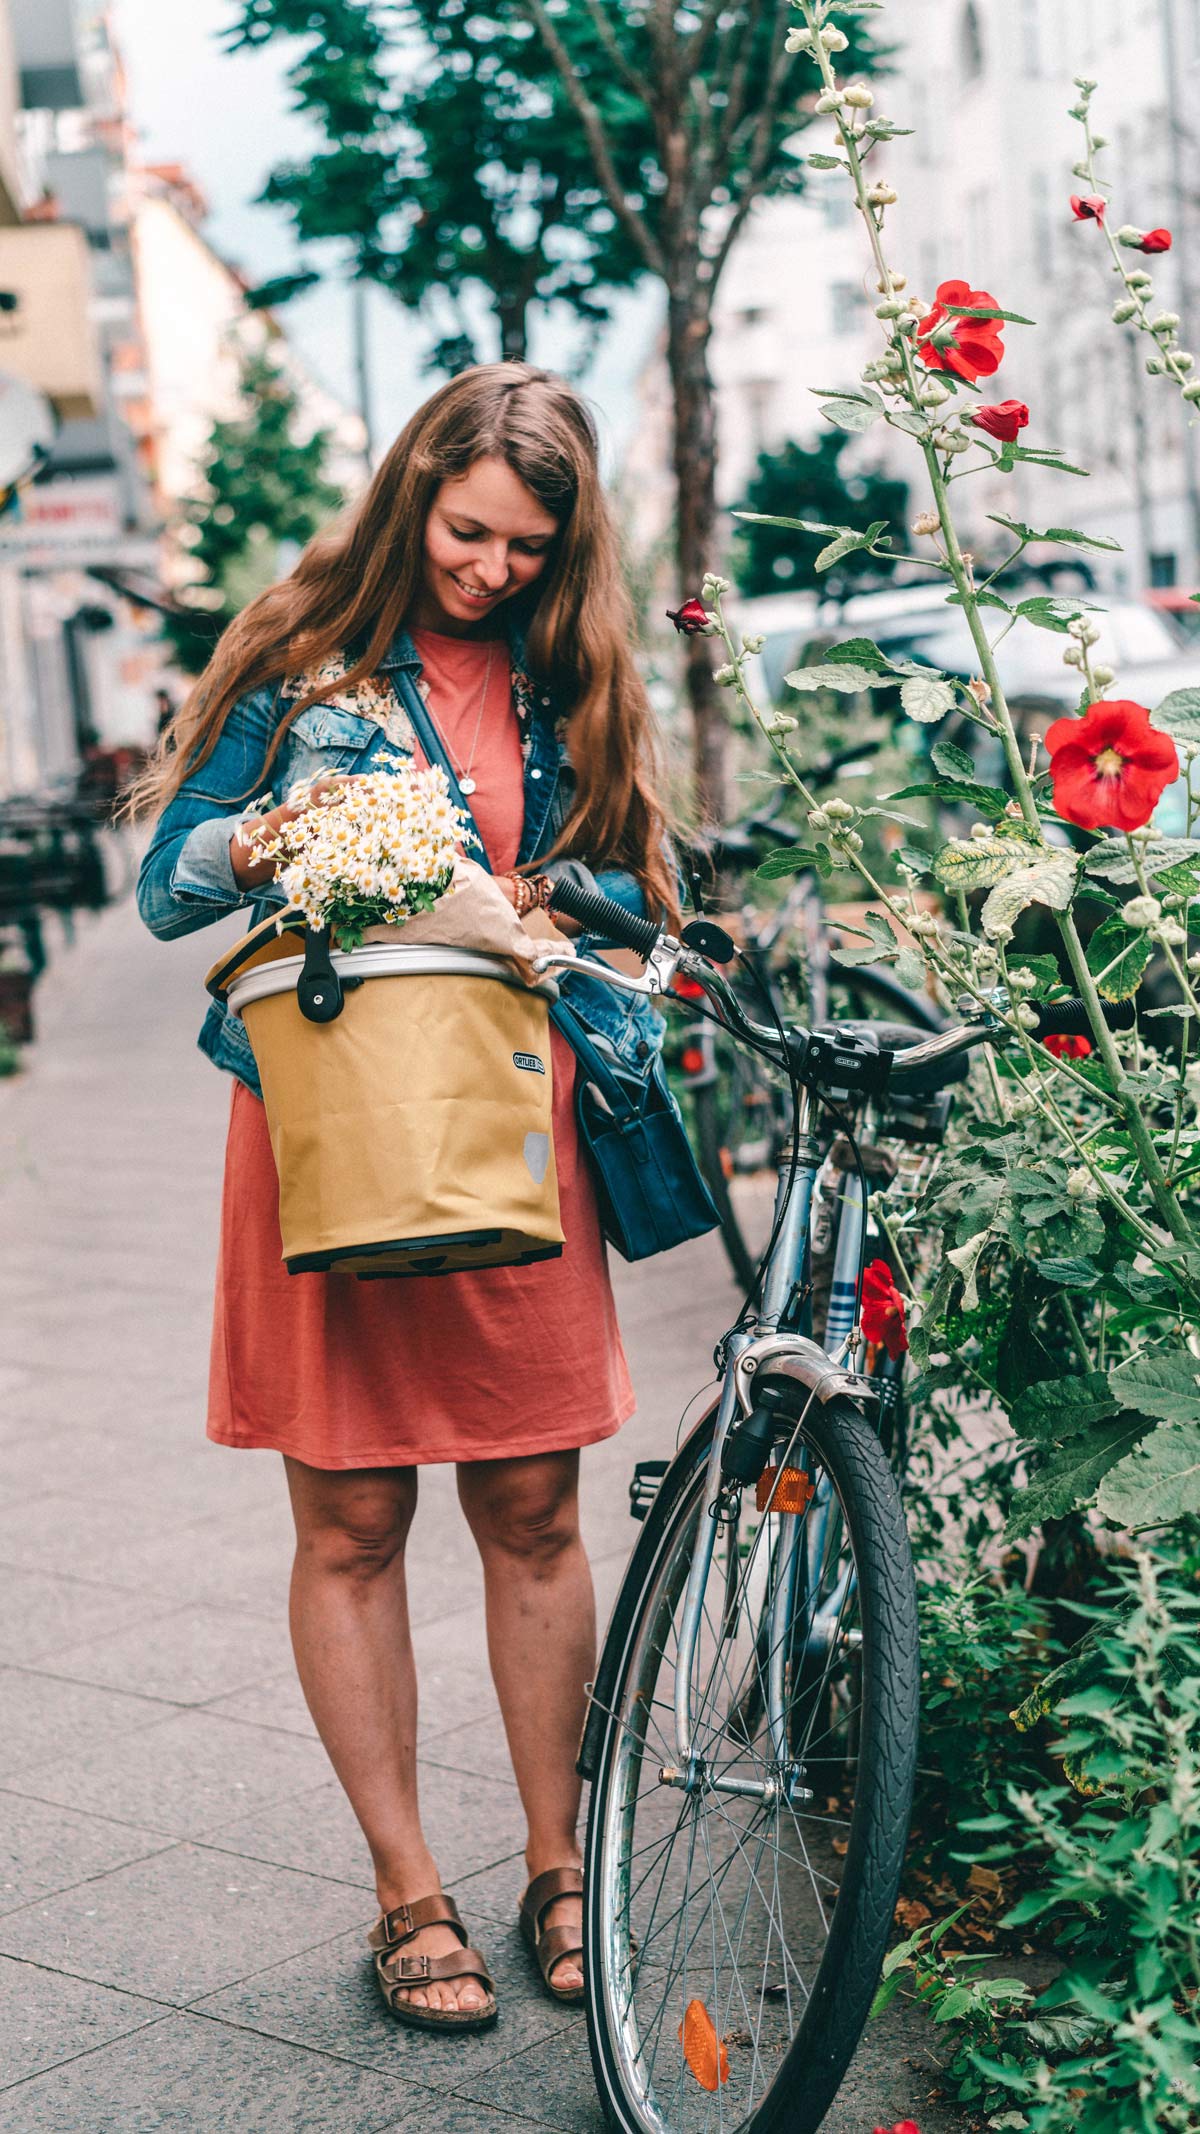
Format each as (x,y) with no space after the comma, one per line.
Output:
(262,481)
(536,151)
(775,559)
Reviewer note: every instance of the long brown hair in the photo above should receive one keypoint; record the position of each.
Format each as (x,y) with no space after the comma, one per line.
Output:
(357,581)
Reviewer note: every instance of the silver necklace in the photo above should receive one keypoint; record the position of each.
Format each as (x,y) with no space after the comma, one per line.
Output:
(466,783)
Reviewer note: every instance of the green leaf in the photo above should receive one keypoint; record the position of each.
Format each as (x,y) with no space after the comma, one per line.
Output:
(809,526)
(976,862)
(847,544)
(911,969)
(881,941)
(927,698)
(847,680)
(1071,1273)
(851,415)
(1044,456)
(1162,1383)
(953,762)
(1058,1409)
(907,419)
(1118,958)
(1110,858)
(1073,1472)
(986,311)
(988,799)
(1046,613)
(1066,536)
(826,162)
(859,652)
(1157,1482)
(1049,879)
(789,859)
(1179,715)
(952,2004)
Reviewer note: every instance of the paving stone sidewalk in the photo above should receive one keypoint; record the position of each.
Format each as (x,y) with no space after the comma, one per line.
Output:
(183,1890)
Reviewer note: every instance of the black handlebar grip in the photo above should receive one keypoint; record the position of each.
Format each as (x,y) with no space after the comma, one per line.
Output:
(601,915)
(1069,1018)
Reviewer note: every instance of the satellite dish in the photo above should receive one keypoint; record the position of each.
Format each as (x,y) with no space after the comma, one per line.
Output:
(27,428)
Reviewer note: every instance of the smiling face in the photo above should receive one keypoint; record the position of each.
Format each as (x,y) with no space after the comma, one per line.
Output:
(486,538)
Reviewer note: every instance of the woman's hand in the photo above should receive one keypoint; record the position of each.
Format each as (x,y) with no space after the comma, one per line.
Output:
(251,867)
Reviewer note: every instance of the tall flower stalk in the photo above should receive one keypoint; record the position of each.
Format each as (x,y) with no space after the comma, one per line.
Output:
(933,353)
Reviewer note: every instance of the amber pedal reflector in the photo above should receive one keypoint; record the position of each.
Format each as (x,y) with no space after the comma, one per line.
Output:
(703,2051)
(792,1495)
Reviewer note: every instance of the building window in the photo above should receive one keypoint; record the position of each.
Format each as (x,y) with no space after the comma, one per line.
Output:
(971,43)
(1164,569)
(845,306)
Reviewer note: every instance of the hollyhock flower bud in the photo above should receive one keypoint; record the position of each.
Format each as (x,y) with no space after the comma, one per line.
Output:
(896,281)
(1003,420)
(1022,980)
(840,810)
(1102,676)
(692,619)
(781,724)
(798,41)
(725,677)
(834,40)
(1123,311)
(1027,1017)
(830,100)
(753,644)
(926,522)
(1072,656)
(1156,241)
(882,195)
(1137,278)
(1088,207)
(859,96)
(712,587)
(891,308)
(1164,322)
(818,819)
(1170,934)
(1085,85)
(1155,366)
(1079,1184)
(981,691)
(1192,391)
(1142,911)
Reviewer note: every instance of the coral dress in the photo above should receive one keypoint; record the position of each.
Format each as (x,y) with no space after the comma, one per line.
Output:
(502,1363)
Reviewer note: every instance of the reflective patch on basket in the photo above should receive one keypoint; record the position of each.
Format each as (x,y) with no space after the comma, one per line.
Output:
(529,1061)
(537,1155)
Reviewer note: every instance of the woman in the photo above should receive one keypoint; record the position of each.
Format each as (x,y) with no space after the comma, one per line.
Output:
(483,559)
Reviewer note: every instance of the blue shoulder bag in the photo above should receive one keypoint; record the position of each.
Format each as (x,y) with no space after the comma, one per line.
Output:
(649,1190)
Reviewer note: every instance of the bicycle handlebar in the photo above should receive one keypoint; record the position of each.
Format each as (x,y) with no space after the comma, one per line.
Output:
(1069,1018)
(602,915)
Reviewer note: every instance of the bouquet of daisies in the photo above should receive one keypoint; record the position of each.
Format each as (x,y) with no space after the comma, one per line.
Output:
(375,853)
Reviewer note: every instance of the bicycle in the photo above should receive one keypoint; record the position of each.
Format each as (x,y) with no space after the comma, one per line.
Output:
(752,1730)
(740,1110)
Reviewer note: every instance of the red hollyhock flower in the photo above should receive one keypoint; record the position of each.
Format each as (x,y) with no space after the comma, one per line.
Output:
(1002,420)
(1088,207)
(902,2126)
(691,618)
(1110,767)
(971,348)
(1068,1048)
(883,1310)
(1154,241)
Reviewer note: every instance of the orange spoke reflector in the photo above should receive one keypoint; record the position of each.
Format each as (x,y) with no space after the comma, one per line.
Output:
(702,2049)
(795,1489)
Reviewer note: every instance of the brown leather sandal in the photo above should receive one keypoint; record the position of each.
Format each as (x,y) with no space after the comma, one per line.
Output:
(397,1973)
(550,1945)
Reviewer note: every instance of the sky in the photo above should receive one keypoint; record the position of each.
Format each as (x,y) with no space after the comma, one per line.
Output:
(226,118)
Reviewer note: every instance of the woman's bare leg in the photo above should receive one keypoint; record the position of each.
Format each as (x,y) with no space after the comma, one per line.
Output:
(353,1647)
(541,1622)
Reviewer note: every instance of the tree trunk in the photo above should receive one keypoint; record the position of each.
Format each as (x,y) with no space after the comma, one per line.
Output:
(512,307)
(694,451)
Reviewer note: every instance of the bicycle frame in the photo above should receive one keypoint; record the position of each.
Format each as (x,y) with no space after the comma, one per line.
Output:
(790,1355)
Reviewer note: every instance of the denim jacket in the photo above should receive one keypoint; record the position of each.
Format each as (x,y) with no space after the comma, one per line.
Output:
(187,879)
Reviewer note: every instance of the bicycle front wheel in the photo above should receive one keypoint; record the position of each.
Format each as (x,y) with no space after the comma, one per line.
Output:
(736,1925)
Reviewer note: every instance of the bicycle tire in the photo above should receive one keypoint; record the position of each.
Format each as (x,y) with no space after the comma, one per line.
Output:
(889,1002)
(811,2068)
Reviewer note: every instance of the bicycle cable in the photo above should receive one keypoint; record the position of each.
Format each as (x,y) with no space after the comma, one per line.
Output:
(753,1294)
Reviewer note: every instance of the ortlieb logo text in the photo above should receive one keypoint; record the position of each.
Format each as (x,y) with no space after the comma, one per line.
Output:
(529,1061)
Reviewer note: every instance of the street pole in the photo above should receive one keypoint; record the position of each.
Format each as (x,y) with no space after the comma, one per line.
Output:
(1180,225)
(362,367)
